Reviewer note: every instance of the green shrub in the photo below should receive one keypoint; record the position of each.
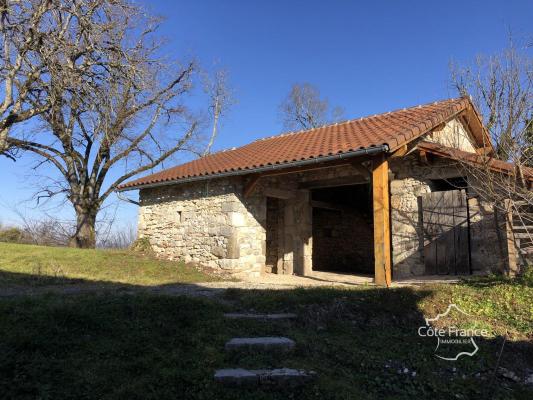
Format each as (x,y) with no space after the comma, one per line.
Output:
(142,245)
(11,235)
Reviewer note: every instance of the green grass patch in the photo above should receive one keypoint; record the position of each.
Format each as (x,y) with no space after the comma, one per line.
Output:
(362,342)
(41,265)
(504,306)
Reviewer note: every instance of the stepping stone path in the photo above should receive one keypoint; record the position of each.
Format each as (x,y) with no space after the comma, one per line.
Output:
(260,316)
(260,344)
(281,377)
(273,377)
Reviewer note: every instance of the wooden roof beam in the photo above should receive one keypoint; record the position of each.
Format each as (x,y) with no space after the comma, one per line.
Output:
(250,185)
(279,193)
(333,182)
(402,151)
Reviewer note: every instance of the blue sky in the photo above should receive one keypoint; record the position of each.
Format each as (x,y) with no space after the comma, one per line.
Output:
(368,57)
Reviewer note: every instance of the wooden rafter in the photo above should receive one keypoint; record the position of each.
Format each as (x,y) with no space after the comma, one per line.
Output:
(439,127)
(341,181)
(329,206)
(472,121)
(423,156)
(279,193)
(250,184)
(251,181)
(402,151)
(362,168)
(484,151)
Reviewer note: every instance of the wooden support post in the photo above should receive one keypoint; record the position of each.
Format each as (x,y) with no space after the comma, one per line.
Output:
(382,238)
(512,266)
(423,157)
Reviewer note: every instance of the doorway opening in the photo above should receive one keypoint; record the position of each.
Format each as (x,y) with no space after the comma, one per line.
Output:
(274,235)
(343,232)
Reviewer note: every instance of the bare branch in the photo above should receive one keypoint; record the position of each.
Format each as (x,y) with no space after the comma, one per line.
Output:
(153,163)
(220,98)
(502,88)
(108,102)
(304,109)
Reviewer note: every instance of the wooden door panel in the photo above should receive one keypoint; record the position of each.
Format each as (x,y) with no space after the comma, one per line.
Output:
(445,227)
(430,257)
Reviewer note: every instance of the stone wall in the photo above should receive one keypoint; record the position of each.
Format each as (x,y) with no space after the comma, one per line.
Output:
(295,225)
(453,134)
(210,223)
(205,222)
(410,179)
(487,237)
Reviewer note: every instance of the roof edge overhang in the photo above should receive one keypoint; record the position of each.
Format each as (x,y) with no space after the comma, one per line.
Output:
(479,131)
(372,150)
(473,158)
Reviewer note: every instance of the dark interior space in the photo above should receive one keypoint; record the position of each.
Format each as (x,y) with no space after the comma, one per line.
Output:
(443,185)
(274,226)
(343,233)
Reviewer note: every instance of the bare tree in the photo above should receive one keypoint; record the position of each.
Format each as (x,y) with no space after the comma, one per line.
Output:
(501,87)
(220,100)
(46,231)
(128,118)
(121,238)
(20,67)
(51,43)
(305,109)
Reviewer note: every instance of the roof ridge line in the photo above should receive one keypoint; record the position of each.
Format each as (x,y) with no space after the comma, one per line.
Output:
(390,128)
(289,133)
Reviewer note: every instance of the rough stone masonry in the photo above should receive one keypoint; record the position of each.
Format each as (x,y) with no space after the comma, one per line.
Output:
(209,222)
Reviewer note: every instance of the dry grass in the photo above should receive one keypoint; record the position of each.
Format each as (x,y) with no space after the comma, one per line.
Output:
(41,265)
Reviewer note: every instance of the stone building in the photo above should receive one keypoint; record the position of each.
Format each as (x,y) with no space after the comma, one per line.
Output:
(383,195)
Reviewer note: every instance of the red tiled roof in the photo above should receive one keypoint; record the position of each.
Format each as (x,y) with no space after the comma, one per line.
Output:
(392,129)
(472,158)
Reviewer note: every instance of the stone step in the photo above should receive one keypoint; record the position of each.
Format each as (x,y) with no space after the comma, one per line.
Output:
(260,316)
(260,344)
(282,377)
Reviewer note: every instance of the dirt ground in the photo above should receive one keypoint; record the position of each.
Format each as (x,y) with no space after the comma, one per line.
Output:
(211,289)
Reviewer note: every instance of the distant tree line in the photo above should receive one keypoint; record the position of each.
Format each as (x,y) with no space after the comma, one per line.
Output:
(49,231)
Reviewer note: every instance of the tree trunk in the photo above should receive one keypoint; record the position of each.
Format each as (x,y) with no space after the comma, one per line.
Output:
(85,236)
(3,140)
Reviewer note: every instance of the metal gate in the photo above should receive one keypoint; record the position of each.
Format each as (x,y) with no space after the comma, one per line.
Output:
(446,236)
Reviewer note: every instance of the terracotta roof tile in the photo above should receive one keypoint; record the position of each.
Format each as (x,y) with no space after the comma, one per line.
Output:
(392,129)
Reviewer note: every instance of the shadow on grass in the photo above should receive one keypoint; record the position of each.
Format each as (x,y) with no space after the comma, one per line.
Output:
(16,283)
(363,343)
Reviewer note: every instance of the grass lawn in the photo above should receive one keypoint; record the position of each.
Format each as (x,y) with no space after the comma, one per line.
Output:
(40,265)
(362,342)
